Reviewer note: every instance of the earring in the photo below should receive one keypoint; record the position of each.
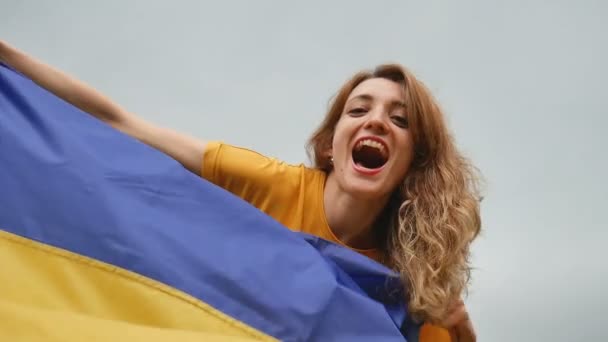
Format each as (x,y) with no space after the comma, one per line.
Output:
(331,160)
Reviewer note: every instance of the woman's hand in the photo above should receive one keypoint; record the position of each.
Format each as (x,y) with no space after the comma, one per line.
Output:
(3,47)
(459,324)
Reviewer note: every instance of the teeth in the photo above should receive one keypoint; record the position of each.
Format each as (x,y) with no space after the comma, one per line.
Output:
(371,143)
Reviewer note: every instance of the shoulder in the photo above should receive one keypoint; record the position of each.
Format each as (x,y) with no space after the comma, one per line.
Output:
(230,165)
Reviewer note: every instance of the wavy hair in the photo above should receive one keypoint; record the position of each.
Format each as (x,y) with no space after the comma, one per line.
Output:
(434,214)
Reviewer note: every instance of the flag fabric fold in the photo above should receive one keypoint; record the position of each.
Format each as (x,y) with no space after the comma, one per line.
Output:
(102,236)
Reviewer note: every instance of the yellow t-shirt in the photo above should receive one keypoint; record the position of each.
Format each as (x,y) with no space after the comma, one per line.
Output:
(291,194)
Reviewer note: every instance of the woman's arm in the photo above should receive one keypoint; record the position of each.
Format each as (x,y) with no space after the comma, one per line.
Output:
(186,150)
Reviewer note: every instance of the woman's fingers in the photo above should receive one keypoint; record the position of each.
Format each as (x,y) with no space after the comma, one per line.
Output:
(465,331)
(459,324)
(456,314)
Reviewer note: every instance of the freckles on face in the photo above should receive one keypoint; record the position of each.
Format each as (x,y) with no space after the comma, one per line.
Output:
(372,145)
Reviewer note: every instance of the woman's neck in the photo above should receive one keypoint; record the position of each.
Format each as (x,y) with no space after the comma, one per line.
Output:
(351,218)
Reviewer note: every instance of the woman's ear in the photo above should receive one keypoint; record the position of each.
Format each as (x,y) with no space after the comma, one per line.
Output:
(328,157)
(329,148)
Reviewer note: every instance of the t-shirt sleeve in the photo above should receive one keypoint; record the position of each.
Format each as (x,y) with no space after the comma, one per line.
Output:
(433,333)
(249,174)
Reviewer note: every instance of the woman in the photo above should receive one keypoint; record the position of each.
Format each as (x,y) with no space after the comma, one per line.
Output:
(387,181)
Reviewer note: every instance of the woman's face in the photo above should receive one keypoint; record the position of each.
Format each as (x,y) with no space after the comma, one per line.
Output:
(372,146)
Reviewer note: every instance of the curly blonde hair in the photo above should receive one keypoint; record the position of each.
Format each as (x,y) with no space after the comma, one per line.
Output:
(434,215)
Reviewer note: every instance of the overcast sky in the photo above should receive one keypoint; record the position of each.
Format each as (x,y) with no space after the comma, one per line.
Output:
(521,83)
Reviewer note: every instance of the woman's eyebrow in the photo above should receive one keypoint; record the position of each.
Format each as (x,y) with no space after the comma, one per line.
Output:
(363,97)
(398,104)
(367,97)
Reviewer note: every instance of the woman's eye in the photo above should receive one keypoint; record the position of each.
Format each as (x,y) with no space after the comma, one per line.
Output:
(400,121)
(357,111)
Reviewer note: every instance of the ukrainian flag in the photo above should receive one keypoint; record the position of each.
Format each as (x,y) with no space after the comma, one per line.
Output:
(103,238)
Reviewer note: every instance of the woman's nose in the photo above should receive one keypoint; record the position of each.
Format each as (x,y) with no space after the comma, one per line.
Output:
(377,122)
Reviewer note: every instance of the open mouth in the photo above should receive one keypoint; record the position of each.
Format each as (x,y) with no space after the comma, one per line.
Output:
(370,154)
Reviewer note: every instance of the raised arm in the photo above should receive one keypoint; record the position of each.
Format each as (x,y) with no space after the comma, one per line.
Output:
(185,149)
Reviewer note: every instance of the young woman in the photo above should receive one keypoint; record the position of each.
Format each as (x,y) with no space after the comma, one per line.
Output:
(387,181)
